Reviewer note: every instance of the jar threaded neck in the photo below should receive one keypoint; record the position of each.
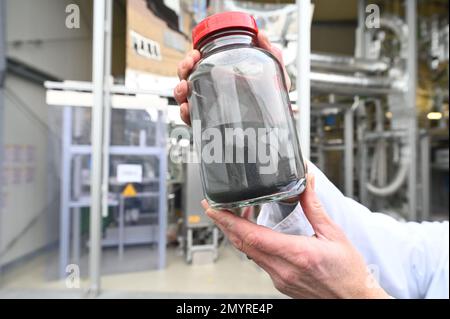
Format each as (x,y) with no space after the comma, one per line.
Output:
(226,38)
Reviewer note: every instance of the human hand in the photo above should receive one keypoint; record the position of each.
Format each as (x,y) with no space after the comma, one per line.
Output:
(323,266)
(187,64)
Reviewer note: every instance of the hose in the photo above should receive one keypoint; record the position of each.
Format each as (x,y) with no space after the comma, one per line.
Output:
(395,184)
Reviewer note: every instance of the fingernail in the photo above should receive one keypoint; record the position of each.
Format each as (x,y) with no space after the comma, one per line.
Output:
(267,41)
(193,53)
(204,204)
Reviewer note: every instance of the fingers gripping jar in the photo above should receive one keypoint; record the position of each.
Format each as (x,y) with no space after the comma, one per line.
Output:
(241,117)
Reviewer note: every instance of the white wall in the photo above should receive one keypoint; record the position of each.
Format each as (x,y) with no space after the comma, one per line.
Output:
(36,35)
(28,213)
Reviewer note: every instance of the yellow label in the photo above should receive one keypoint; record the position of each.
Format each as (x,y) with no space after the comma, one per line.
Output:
(129,191)
(194,219)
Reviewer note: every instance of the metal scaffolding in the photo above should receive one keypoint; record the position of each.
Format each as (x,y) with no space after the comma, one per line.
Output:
(99,56)
(303,74)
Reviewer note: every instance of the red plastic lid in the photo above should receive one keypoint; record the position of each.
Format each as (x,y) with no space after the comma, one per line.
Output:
(222,21)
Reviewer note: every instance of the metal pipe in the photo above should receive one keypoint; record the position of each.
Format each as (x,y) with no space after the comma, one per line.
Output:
(342,63)
(354,85)
(370,136)
(2,81)
(107,106)
(363,193)
(66,168)
(378,161)
(395,184)
(349,148)
(303,74)
(425,175)
(116,89)
(381,146)
(380,87)
(326,108)
(98,80)
(411,19)
(162,200)
(76,238)
(320,148)
(400,29)
(360,47)
(77,193)
(360,52)
(348,153)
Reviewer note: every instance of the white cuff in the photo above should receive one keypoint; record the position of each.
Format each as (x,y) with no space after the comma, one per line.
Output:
(295,223)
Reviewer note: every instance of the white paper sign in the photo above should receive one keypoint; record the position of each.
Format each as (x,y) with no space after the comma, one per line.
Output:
(129,173)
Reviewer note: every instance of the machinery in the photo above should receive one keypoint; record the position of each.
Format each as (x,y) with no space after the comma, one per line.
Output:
(379,126)
(370,130)
(202,237)
(198,237)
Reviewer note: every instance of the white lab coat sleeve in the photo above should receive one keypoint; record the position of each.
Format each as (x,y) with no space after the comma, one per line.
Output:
(410,260)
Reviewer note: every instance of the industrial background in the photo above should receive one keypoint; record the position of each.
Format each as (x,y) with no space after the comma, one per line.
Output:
(375,120)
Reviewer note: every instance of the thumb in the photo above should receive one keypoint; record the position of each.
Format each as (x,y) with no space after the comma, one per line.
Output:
(313,209)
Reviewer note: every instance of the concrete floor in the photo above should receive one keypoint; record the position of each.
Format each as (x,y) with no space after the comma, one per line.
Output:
(232,276)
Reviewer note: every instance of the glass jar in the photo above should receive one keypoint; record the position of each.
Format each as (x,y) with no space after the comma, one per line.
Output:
(241,117)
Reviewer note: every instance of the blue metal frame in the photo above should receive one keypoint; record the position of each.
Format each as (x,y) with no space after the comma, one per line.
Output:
(64,221)
(67,205)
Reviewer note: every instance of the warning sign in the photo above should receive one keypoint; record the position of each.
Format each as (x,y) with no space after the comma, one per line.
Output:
(129,191)
(194,219)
